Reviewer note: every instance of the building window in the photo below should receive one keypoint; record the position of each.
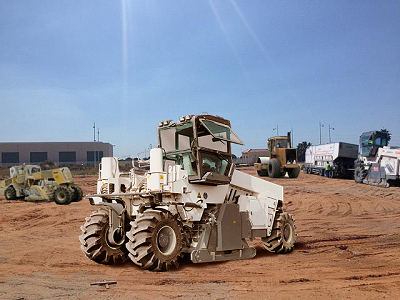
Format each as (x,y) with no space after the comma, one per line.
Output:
(67,157)
(94,156)
(10,157)
(90,156)
(38,157)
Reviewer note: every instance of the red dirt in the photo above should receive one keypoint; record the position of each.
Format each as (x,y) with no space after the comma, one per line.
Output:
(348,246)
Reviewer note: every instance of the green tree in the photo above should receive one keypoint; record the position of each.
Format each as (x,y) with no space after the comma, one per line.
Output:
(301,150)
(389,134)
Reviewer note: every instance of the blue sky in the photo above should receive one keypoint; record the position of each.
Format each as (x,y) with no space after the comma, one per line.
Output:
(128,64)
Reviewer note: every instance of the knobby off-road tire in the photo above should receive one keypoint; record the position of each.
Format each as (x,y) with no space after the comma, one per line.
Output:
(274,168)
(155,241)
(283,235)
(78,194)
(294,173)
(62,195)
(359,174)
(10,193)
(94,240)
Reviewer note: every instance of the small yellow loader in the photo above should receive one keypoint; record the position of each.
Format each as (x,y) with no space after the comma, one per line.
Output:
(29,182)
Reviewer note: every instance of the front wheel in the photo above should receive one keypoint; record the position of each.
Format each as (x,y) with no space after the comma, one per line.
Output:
(155,241)
(283,234)
(62,195)
(359,174)
(274,168)
(10,193)
(95,243)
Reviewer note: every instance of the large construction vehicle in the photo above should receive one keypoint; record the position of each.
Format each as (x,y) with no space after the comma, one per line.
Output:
(282,158)
(340,156)
(30,183)
(377,163)
(191,201)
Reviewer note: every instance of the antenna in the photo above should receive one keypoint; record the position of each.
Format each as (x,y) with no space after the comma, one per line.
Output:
(98,134)
(94,131)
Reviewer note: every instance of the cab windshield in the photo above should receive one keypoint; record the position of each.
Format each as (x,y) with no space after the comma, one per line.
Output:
(369,142)
(214,163)
(281,144)
(176,138)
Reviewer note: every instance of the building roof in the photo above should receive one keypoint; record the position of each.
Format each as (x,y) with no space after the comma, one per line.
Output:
(254,151)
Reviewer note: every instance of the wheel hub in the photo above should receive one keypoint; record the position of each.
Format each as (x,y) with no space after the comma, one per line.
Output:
(163,240)
(286,232)
(166,240)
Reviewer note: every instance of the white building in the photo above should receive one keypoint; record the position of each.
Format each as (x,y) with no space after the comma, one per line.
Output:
(249,157)
(88,153)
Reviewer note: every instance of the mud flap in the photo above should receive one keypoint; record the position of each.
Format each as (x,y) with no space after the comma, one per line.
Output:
(224,240)
(376,176)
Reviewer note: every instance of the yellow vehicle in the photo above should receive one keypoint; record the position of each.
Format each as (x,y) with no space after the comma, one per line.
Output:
(282,159)
(29,182)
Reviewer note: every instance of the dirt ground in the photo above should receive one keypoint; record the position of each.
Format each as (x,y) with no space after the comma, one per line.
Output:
(348,247)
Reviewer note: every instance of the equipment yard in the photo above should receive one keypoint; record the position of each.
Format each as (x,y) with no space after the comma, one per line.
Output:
(348,246)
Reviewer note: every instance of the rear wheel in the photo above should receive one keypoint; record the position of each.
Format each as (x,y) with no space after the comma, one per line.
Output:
(359,174)
(274,168)
(77,193)
(95,243)
(294,173)
(62,195)
(155,241)
(283,235)
(10,193)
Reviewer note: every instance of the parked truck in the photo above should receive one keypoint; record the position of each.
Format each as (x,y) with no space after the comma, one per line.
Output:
(192,200)
(30,183)
(340,156)
(282,158)
(377,163)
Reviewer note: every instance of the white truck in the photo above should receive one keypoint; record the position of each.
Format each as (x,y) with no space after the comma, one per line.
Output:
(377,164)
(192,200)
(340,156)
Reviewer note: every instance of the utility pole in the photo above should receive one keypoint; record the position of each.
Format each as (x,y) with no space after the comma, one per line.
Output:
(94,132)
(330,128)
(98,134)
(320,126)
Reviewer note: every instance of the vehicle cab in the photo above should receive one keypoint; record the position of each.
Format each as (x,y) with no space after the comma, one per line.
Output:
(201,145)
(371,141)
